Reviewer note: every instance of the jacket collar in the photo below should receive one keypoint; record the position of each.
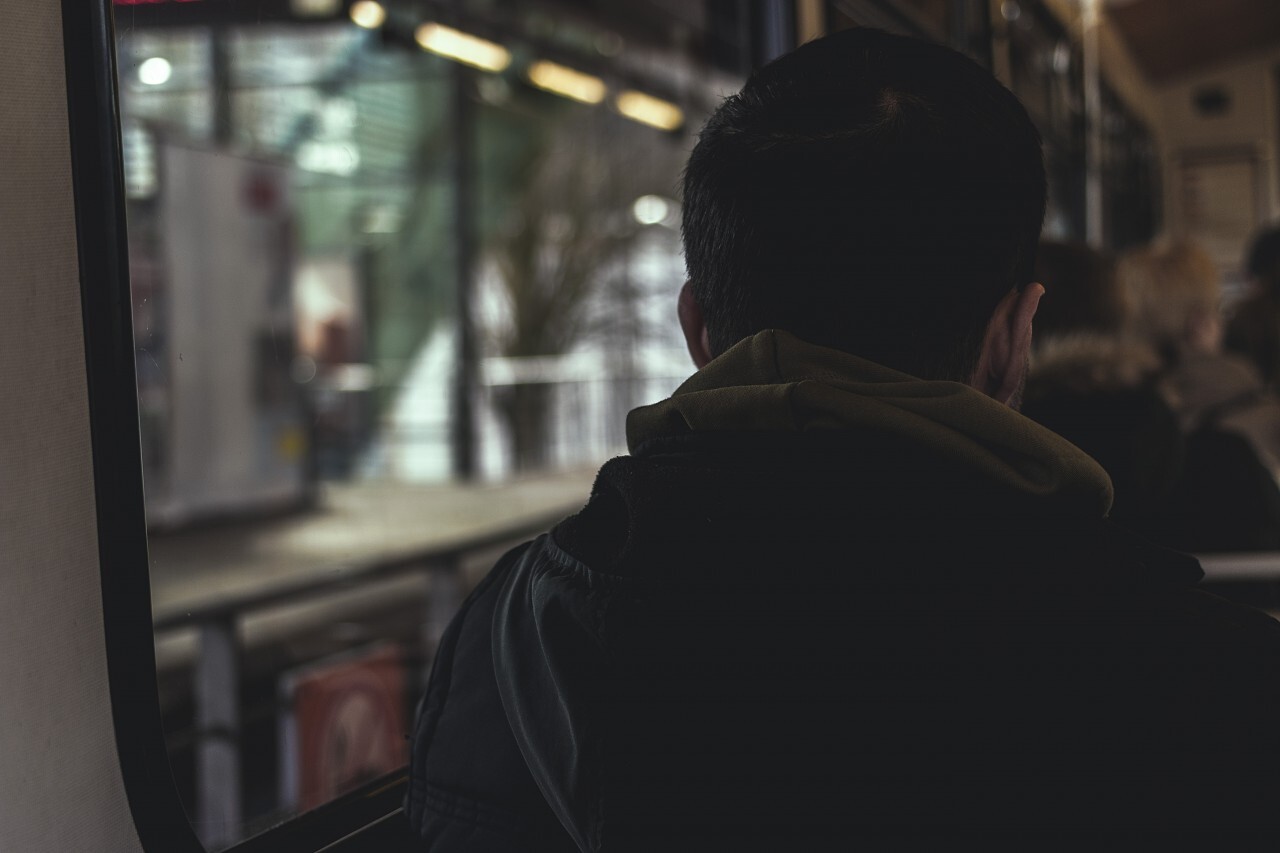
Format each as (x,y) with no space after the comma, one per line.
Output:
(774,382)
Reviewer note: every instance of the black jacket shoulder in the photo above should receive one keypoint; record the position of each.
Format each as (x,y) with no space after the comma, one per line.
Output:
(660,674)
(469,787)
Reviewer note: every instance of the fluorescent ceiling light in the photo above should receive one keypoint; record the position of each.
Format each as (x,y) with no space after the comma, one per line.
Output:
(567,82)
(368,14)
(463,47)
(649,110)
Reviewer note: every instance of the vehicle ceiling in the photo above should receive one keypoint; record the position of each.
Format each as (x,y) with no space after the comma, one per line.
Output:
(1172,38)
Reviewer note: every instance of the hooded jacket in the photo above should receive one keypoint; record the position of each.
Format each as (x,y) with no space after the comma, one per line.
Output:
(824,602)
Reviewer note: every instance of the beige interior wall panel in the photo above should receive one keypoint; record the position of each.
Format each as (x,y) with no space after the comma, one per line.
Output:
(60,783)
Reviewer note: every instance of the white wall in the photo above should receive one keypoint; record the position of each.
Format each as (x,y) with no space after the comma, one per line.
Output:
(1250,124)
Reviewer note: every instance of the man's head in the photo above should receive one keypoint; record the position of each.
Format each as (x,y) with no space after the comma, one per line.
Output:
(867,192)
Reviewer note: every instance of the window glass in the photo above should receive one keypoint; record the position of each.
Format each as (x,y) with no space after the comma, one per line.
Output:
(390,311)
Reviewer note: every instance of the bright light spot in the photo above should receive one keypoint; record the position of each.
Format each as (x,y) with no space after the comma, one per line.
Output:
(337,117)
(331,158)
(140,179)
(1061,57)
(463,47)
(368,14)
(649,110)
(1010,10)
(567,82)
(650,209)
(155,71)
(352,377)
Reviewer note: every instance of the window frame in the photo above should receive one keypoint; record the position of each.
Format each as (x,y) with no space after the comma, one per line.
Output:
(371,812)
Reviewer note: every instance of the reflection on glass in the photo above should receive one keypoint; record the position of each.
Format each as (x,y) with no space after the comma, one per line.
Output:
(565,81)
(463,47)
(649,110)
(361,269)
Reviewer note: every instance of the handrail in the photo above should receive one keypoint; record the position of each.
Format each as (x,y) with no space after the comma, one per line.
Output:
(217,666)
(1242,566)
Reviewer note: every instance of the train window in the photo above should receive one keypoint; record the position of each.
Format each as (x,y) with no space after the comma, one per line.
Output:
(375,259)
(397,271)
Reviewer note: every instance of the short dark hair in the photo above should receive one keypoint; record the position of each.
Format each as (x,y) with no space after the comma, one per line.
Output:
(868,192)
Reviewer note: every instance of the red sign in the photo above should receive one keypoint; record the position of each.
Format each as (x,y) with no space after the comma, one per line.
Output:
(350,724)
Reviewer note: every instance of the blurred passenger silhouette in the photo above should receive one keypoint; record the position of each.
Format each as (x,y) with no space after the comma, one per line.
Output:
(1128,367)
(841,592)
(1254,331)
(1097,385)
(1227,499)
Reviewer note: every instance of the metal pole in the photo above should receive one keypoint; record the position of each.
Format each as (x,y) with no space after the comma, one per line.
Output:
(462,424)
(220,74)
(1093,123)
(777,34)
(811,20)
(217,688)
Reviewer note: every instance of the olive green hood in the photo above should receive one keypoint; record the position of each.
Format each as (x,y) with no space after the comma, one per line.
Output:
(775,382)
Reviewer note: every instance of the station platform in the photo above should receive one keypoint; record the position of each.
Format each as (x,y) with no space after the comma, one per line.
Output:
(354,526)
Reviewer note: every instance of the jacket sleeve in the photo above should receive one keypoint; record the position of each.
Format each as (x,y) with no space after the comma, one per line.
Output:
(469,788)
(549,657)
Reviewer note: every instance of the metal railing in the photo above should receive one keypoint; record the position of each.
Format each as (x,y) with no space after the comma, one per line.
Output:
(1241,567)
(217,664)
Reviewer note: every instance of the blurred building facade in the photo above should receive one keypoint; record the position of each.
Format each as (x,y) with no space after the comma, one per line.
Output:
(482,236)
(479,241)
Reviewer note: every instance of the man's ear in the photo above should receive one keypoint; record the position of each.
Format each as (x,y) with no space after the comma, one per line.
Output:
(694,327)
(1006,347)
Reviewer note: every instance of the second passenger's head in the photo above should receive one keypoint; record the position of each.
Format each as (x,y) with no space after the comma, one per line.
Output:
(1175,294)
(874,194)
